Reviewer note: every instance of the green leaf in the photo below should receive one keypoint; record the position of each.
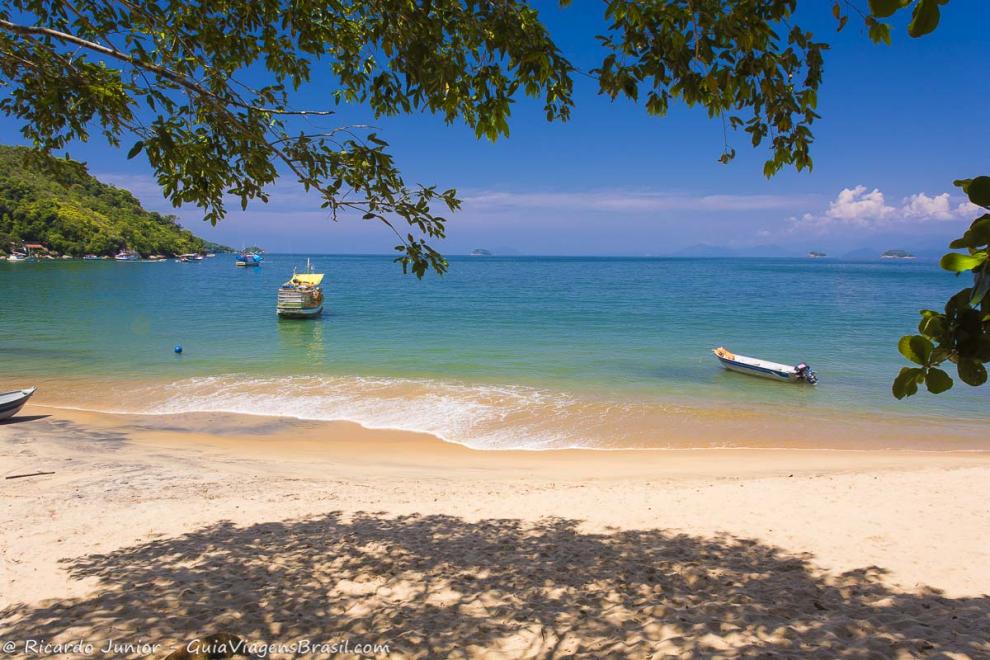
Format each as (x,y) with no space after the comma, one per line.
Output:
(937,381)
(916,348)
(884,8)
(136,149)
(879,33)
(971,371)
(924,19)
(932,326)
(958,263)
(983,349)
(981,285)
(906,383)
(962,183)
(978,191)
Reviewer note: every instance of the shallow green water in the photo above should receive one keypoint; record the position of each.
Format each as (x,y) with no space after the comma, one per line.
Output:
(498,339)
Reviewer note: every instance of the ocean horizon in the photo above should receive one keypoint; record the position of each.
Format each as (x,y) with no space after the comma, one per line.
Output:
(504,352)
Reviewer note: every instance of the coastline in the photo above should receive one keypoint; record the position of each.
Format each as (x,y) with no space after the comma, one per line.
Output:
(514,417)
(147,519)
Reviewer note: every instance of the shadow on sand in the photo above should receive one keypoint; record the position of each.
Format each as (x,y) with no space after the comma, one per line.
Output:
(22,419)
(439,586)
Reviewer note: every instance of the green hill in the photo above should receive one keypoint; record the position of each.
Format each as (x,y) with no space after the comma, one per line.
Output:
(58,203)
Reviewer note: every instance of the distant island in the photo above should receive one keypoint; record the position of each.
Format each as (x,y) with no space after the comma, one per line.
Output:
(479,252)
(817,255)
(897,254)
(57,204)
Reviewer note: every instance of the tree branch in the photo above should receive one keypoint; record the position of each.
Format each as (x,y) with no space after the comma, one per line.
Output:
(33,30)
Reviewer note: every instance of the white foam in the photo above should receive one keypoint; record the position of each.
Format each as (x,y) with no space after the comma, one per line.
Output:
(478,416)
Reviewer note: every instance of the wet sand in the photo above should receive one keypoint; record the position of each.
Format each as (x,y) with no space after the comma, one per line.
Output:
(166,528)
(508,417)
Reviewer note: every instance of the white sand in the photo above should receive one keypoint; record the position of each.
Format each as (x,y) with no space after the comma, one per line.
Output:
(153,529)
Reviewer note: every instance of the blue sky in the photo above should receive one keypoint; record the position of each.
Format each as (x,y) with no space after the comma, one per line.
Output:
(898,124)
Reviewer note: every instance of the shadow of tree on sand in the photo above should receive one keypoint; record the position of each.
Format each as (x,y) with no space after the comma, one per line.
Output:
(440,586)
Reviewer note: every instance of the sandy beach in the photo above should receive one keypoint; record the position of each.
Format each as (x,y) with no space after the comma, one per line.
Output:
(154,530)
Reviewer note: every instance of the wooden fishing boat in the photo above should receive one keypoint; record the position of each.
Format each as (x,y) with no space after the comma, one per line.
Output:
(12,402)
(301,296)
(800,373)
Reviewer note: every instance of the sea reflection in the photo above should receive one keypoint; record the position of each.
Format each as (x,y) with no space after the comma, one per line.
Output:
(303,337)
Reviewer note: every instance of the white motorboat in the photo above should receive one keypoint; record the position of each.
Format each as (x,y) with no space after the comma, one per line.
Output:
(764,368)
(12,402)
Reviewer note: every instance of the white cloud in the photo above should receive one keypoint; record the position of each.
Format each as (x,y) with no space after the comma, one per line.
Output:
(629,201)
(868,209)
(858,207)
(968,209)
(922,206)
(286,193)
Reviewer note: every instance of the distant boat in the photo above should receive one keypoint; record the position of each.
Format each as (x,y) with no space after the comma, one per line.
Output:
(20,256)
(91,257)
(127,255)
(773,370)
(157,257)
(12,402)
(248,259)
(210,254)
(817,255)
(301,296)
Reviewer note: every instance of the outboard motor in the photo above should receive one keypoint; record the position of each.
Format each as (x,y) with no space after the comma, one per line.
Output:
(805,372)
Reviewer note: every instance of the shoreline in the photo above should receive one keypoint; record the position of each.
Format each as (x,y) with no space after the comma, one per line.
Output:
(288,419)
(517,417)
(172,527)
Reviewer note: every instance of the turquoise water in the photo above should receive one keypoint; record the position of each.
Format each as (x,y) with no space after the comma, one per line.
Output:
(501,352)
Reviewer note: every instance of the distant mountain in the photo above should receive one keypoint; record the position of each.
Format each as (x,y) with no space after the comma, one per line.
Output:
(480,252)
(57,203)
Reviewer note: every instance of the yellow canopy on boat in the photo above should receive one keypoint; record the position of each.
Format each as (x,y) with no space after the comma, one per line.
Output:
(312,279)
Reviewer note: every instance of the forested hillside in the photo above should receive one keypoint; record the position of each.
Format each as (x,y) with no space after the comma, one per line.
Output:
(59,204)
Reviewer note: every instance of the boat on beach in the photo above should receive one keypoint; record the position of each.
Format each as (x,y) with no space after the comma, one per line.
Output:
(764,368)
(301,296)
(12,402)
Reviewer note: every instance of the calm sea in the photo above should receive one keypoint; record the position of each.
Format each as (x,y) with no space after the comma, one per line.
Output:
(502,352)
